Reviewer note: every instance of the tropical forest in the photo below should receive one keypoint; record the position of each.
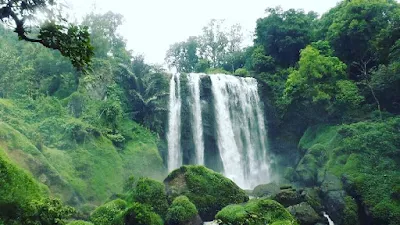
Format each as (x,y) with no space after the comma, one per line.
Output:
(297,123)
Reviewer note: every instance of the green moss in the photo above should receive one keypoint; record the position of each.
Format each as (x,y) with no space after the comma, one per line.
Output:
(140,214)
(208,190)
(17,189)
(367,154)
(108,213)
(151,193)
(350,213)
(181,211)
(259,211)
(79,222)
(265,190)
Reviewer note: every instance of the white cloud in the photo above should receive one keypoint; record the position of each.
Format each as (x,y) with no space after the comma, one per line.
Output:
(152,25)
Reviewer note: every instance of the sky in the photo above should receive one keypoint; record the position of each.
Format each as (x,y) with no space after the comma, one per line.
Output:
(151,26)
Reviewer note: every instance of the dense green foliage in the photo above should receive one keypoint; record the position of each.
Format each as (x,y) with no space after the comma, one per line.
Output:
(151,193)
(366,155)
(333,81)
(207,190)
(181,211)
(79,136)
(70,40)
(140,214)
(108,213)
(258,211)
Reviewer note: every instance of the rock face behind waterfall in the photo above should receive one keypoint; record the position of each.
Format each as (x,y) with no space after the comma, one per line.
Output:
(209,191)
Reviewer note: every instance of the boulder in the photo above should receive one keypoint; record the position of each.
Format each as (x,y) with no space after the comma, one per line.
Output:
(207,190)
(256,211)
(288,197)
(139,214)
(304,213)
(266,190)
(183,212)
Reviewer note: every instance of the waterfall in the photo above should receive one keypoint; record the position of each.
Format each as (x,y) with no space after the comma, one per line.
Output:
(238,136)
(174,124)
(240,129)
(197,125)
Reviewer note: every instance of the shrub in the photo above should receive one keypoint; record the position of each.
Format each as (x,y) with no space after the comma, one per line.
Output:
(242,72)
(140,214)
(107,213)
(151,193)
(181,211)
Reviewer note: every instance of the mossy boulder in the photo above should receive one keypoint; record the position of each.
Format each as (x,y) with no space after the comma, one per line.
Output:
(266,190)
(150,192)
(140,214)
(183,212)
(304,213)
(256,211)
(288,196)
(208,190)
(108,213)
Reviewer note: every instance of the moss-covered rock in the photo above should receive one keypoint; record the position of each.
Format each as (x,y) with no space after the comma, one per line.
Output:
(265,190)
(108,213)
(364,157)
(304,214)
(208,190)
(256,211)
(182,212)
(152,193)
(288,197)
(139,214)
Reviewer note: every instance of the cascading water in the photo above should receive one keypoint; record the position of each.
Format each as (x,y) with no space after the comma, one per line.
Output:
(174,124)
(236,133)
(197,125)
(240,129)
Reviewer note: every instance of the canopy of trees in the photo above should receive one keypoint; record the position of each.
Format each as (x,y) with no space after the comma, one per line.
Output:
(70,40)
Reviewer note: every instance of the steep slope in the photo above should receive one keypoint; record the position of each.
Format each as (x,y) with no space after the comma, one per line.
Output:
(73,158)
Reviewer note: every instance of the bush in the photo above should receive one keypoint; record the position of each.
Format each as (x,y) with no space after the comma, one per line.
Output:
(140,214)
(181,211)
(151,193)
(107,214)
(242,72)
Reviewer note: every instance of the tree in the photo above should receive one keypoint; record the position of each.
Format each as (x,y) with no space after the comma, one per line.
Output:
(284,33)
(362,30)
(103,34)
(235,56)
(147,97)
(214,42)
(319,83)
(183,55)
(70,40)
